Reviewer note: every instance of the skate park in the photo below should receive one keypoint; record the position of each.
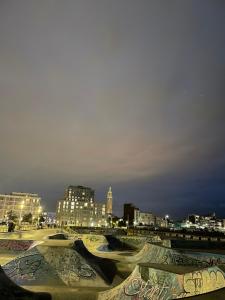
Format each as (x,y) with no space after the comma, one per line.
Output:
(49,264)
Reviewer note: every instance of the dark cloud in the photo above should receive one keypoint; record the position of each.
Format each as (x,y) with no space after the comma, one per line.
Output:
(127,93)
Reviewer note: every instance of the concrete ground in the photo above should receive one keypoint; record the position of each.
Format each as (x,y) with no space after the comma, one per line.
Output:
(35,235)
(6,256)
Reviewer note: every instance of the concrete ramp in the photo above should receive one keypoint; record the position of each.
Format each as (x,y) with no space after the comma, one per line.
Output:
(149,283)
(151,253)
(94,242)
(53,265)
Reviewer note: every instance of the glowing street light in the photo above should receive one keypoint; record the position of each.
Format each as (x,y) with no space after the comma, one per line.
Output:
(39,211)
(21,210)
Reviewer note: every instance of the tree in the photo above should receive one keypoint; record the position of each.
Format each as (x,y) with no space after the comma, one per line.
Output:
(11,216)
(27,218)
(41,219)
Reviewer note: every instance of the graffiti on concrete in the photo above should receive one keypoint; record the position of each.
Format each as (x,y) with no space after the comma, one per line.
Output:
(27,268)
(204,281)
(147,283)
(210,259)
(49,264)
(142,290)
(16,245)
(179,259)
(161,255)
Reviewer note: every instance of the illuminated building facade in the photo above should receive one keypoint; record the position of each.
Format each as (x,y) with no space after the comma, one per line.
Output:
(19,204)
(78,208)
(144,218)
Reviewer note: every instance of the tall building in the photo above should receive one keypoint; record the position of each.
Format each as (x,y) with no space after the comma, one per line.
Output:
(109,201)
(129,213)
(19,204)
(78,208)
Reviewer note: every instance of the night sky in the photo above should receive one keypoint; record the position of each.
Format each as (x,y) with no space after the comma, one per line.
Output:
(115,92)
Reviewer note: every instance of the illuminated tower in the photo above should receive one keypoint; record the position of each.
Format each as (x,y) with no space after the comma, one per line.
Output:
(109,202)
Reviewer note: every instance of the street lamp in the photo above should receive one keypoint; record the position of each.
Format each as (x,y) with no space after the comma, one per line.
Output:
(21,209)
(39,211)
(167,220)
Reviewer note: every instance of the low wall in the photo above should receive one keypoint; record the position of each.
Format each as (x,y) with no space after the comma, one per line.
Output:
(15,245)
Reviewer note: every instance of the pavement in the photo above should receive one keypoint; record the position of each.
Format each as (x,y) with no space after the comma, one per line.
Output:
(35,235)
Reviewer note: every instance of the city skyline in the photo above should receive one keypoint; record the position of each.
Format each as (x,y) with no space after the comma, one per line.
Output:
(126,94)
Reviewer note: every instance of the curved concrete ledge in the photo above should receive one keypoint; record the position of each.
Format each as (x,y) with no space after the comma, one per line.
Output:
(151,253)
(210,258)
(149,283)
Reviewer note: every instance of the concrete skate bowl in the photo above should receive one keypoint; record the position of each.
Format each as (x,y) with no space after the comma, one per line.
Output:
(147,283)
(138,242)
(104,243)
(53,266)
(10,291)
(103,266)
(117,244)
(150,253)
(58,236)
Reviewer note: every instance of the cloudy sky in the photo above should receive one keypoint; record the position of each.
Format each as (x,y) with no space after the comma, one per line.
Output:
(123,93)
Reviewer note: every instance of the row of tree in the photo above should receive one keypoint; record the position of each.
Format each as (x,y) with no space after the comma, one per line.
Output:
(28,218)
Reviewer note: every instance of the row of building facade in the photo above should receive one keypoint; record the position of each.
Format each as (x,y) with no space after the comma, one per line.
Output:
(210,222)
(78,207)
(133,216)
(19,204)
